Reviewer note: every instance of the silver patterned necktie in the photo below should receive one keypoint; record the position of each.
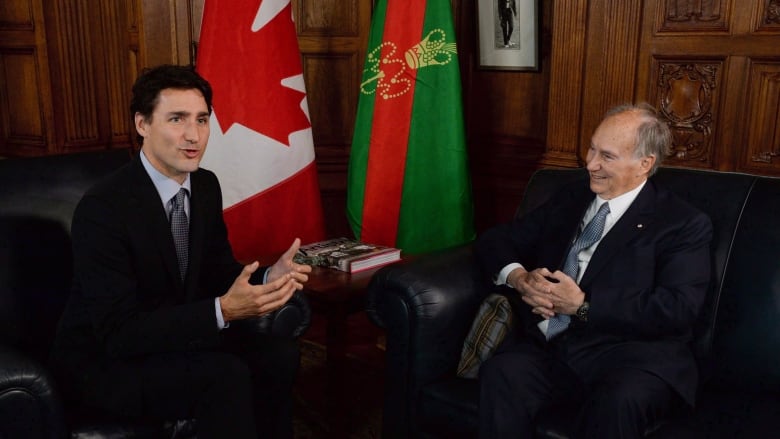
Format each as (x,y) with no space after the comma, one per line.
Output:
(571,266)
(180,229)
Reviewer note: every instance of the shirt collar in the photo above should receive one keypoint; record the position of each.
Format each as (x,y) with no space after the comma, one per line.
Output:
(166,187)
(619,204)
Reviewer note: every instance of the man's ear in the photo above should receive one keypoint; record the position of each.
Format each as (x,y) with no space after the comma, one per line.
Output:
(140,124)
(647,163)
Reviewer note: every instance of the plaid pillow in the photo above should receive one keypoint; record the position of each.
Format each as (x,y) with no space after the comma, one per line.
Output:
(493,322)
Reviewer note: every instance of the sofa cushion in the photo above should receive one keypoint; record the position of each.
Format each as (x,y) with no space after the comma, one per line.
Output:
(490,327)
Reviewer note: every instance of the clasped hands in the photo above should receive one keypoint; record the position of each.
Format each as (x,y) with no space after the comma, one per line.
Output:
(244,300)
(547,293)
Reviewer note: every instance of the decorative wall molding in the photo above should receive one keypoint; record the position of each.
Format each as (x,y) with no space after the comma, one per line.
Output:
(694,16)
(763,114)
(686,93)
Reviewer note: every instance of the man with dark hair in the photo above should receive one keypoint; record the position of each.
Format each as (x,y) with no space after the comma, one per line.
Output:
(612,273)
(153,326)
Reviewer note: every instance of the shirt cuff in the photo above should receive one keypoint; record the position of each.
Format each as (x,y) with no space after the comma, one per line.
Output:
(504,273)
(220,320)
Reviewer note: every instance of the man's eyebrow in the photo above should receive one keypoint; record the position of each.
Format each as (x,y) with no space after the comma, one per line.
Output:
(184,113)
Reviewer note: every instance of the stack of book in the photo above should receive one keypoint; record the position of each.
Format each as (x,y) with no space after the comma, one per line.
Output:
(346,255)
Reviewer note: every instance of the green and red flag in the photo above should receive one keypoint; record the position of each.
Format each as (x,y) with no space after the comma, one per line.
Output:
(409,184)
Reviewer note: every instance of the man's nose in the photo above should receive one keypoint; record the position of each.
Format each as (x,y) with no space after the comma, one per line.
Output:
(191,132)
(592,163)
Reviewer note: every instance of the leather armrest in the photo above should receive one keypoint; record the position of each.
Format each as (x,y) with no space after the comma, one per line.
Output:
(426,306)
(29,404)
(291,320)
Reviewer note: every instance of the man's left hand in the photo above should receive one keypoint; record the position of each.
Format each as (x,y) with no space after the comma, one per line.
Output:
(564,293)
(286,265)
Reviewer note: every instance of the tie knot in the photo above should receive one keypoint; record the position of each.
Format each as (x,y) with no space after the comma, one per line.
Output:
(603,210)
(178,200)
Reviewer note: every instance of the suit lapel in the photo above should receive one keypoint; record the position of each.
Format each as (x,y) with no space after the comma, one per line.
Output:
(197,233)
(634,221)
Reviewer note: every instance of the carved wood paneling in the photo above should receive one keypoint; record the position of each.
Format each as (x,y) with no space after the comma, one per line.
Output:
(77,117)
(566,78)
(611,59)
(694,16)
(331,90)
(22,121)
(331,18)
(25,93)
(768,16)
(16,16)
(686,95)
(763,119)
(118,72)
(332,36)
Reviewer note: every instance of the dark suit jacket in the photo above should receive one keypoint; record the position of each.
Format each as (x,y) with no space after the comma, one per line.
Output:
(646,281)
(128,299)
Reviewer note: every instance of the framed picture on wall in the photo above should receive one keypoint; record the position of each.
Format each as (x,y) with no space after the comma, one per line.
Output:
(508,34)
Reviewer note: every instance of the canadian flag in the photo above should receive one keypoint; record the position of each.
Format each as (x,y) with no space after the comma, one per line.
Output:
(261,145)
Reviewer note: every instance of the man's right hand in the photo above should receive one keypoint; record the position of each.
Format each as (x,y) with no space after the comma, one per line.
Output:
(244,300)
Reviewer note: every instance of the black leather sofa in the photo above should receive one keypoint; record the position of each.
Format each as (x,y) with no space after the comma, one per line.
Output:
(37,199)
(427,305)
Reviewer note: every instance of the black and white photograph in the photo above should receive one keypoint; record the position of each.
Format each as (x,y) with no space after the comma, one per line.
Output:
(508,34)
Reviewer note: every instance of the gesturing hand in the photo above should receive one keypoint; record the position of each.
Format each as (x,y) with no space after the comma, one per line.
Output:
(285,265)
(244,300)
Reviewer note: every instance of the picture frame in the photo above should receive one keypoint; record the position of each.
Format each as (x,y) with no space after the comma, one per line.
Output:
(520,51)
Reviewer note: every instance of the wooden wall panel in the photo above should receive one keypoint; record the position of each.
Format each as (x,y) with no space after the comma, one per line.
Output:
(506,120)
(611,59)
(118,65)
(74,67)
(332,36)
(688,16)
(25,93)
(566,78)
(762,117)
(21,105)
(686,94)
(768,16)
(713,82)
(328,18)
(332,96)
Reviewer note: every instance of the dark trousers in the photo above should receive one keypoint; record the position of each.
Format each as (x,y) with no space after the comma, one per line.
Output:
(242,390)
(507,26)
(526,377)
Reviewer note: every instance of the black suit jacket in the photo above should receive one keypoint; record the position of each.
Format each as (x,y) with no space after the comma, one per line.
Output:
(128,299)
(646,281)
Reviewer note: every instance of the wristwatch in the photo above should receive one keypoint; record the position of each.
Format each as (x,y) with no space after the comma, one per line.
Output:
(582,311)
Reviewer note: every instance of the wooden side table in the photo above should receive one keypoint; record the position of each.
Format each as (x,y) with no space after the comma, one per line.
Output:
(335,295)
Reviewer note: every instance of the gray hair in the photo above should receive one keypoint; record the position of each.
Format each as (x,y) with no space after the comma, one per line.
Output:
(653,136)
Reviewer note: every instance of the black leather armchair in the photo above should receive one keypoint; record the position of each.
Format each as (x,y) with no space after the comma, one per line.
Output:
(37,199)
(427,306)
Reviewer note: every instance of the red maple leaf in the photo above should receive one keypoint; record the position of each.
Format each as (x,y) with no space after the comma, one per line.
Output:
(246,68)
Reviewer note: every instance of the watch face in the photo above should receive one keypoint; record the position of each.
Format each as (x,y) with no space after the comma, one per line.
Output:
(582,311)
